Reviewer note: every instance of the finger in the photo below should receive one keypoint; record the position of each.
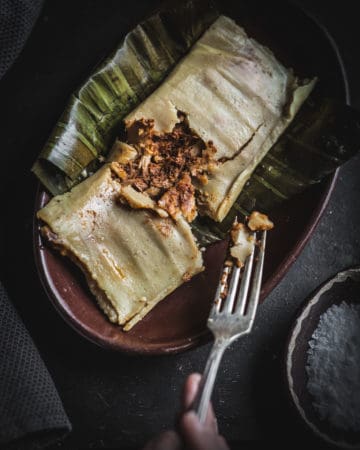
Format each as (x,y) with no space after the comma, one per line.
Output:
(191,388)
(200,437)
(168,440)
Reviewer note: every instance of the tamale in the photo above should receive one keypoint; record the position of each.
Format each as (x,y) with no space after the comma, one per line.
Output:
(132,258)
(236,95)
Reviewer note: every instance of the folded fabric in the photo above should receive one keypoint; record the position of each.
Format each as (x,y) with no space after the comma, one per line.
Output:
(29,402)
(31,412)
(17,18)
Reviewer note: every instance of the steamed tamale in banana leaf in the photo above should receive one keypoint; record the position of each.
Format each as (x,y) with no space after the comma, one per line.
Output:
(120,250)
(228,94)
(237,96)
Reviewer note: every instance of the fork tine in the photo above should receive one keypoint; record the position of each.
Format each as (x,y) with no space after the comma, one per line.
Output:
(245,282)
(256,286)
(230,298)
(220,289)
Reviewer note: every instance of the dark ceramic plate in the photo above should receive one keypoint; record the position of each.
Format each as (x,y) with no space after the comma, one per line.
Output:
(344,286)
(179,322)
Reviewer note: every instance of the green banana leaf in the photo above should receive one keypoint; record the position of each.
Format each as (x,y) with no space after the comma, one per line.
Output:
(91,120)
(323,135)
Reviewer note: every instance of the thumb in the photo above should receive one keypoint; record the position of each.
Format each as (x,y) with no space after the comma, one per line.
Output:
(190,391)
(198,436)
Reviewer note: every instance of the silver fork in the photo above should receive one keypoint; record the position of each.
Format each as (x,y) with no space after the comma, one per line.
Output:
(231,317)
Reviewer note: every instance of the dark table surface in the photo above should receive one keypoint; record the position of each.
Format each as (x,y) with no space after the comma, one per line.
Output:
(120,401)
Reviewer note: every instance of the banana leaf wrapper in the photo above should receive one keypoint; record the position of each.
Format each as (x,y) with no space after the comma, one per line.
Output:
(323,135)
(92,118)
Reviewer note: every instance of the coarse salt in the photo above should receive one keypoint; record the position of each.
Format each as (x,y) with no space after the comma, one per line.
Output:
(333,366)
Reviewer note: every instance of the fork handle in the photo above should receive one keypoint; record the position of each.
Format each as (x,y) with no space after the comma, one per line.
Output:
(202,399)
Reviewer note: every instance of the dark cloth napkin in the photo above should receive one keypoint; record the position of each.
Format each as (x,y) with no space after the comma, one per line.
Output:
(29,402)
(17,18)
(31,412)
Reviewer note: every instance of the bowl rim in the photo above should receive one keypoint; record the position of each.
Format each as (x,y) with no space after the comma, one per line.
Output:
(290,347)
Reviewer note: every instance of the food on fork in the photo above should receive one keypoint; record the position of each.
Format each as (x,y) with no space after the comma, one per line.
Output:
(188,149)
(243,240)
(242,243)
(259,222)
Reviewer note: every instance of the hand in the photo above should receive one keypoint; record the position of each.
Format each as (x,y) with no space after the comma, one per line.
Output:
(192,434)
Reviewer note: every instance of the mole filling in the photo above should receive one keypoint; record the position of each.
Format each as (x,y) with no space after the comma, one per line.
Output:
(167,166)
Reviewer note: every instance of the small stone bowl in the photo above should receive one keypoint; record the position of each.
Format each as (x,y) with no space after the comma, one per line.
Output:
(344,286)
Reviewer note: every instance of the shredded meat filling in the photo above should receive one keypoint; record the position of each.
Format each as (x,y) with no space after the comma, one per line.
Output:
(166,165)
